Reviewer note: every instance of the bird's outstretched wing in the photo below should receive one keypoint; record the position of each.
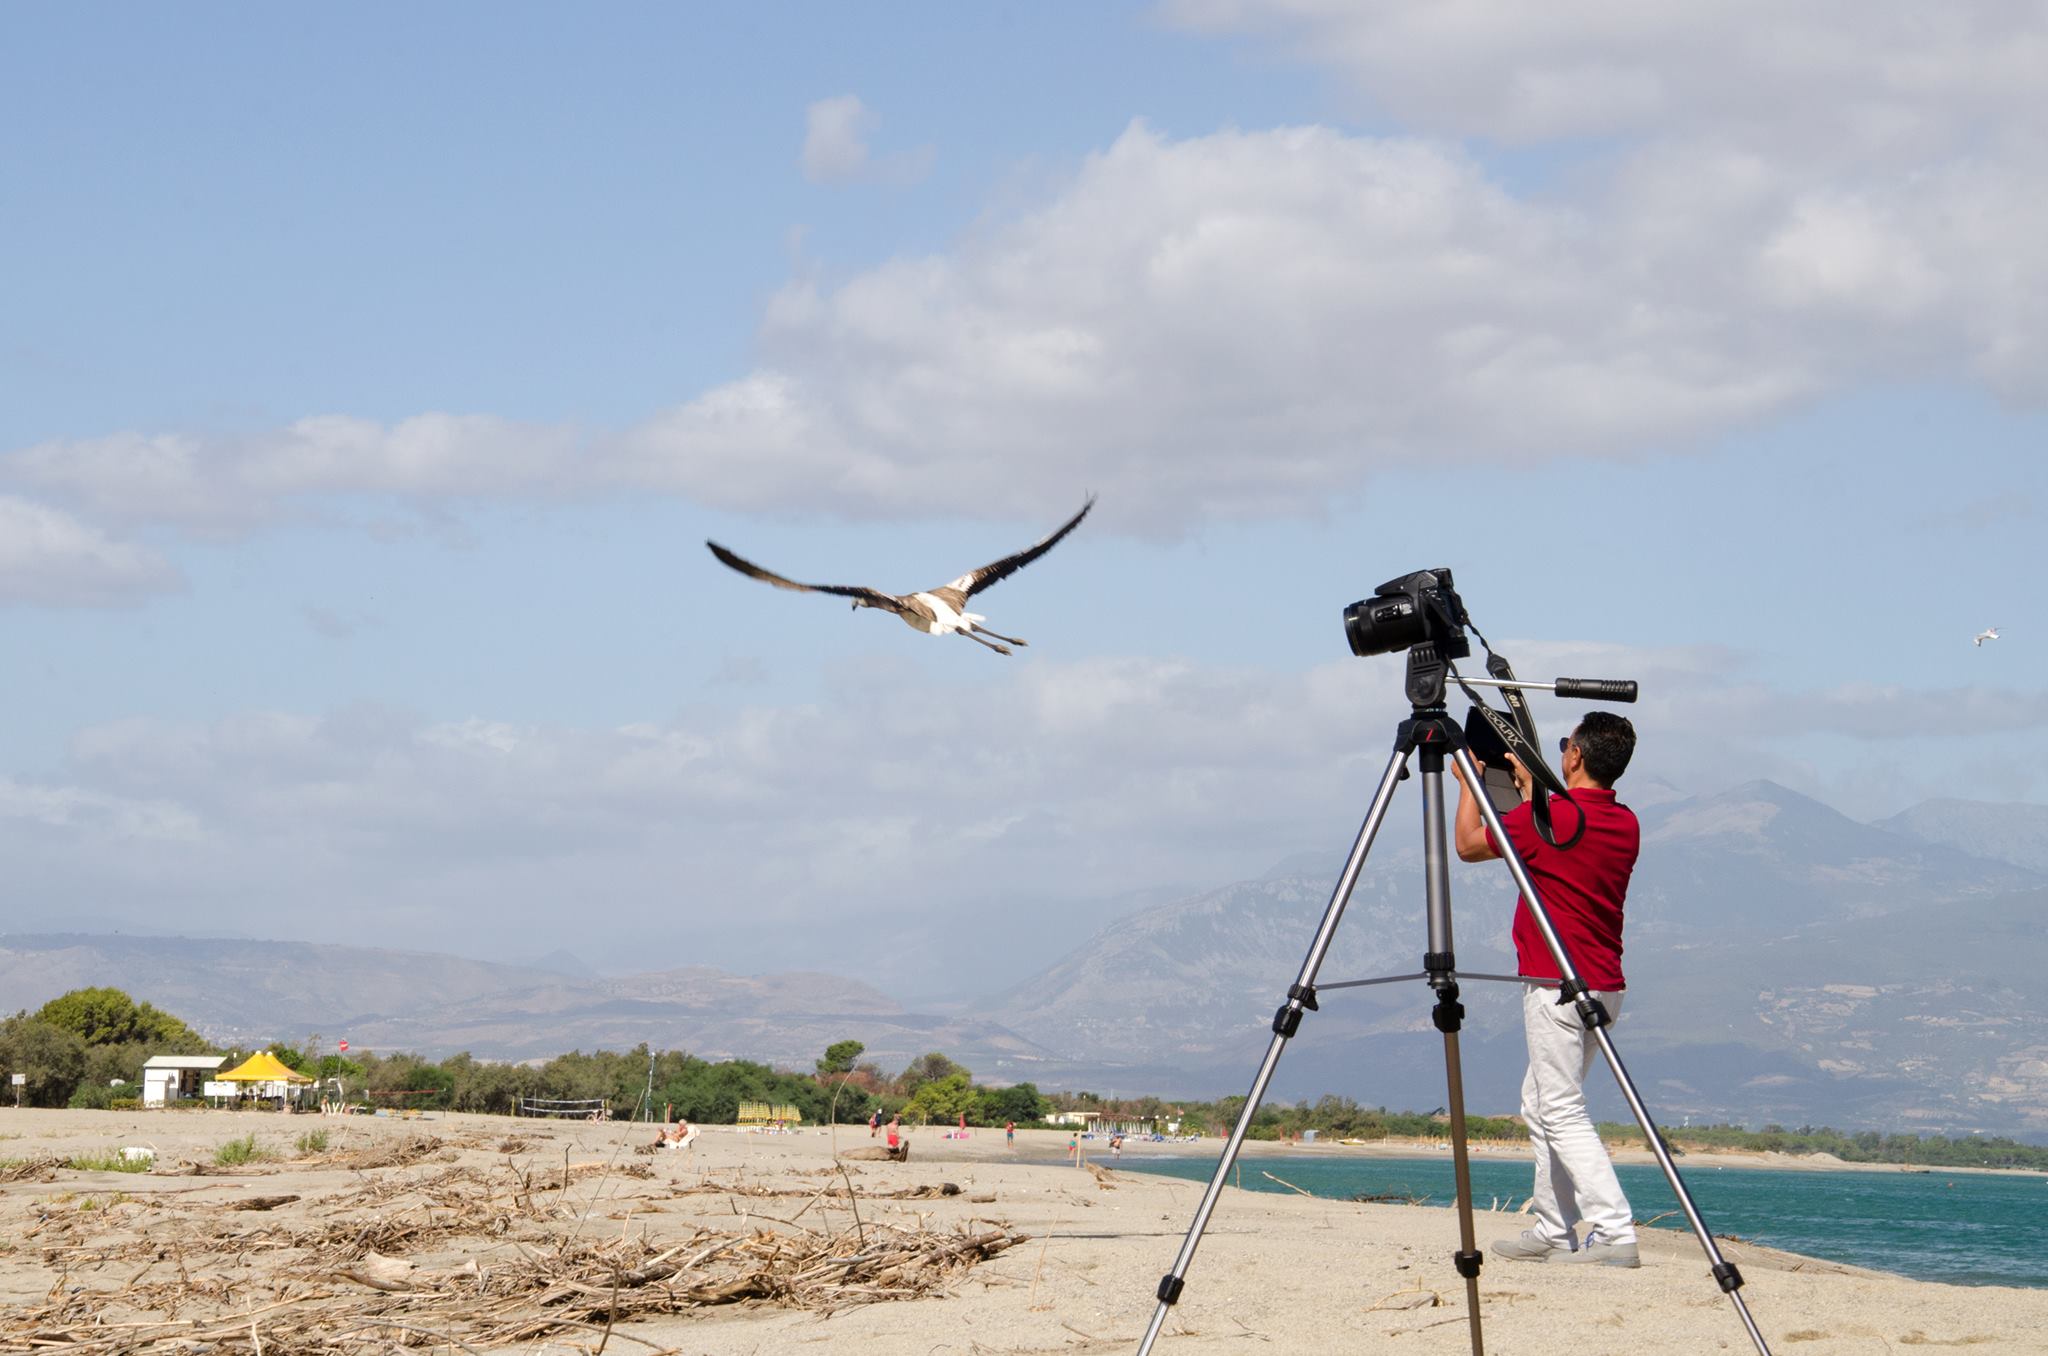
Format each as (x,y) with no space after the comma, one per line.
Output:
(988,576)
(875,597)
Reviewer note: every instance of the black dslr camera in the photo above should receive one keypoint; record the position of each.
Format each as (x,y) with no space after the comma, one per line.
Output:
(1416,609)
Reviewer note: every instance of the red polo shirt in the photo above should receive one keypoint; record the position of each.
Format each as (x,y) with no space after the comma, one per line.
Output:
(1583,886)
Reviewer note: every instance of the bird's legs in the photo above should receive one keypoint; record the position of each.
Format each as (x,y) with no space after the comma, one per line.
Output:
(999,649)
(1012,640)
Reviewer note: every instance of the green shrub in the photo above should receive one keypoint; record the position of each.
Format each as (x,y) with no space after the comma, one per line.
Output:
(92,1097)
(110,1161)
(313,1142)
(238,1151)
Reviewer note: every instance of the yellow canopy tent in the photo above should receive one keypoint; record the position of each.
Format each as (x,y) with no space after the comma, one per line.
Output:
(262,1067)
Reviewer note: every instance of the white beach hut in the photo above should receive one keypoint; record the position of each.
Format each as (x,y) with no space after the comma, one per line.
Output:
(167,1078)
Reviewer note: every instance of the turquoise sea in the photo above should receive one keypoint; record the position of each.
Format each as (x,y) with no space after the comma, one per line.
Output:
(1962,1228)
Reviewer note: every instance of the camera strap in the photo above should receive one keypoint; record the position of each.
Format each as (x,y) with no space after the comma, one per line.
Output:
(1519,734)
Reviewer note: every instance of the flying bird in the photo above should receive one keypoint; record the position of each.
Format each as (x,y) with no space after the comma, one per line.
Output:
(1988,633)
(940,611)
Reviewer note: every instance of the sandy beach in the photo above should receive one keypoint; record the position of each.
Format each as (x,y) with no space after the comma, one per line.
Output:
(334,1248)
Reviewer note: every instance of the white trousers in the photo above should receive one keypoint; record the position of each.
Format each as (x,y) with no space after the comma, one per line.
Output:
(1574,1177)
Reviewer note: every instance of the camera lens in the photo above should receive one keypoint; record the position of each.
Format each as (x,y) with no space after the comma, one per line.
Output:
(1382,625)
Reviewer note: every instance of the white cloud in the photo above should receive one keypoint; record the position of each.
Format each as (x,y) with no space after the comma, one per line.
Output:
(835,139)
(49,557)
(1251,324)
(1247,324)
(100,819)
(227,484)
(836,133)
(1833,80)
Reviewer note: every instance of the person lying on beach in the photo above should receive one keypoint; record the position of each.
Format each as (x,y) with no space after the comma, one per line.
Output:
(674,1135)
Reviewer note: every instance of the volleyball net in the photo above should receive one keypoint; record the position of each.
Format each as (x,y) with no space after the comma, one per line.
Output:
(569,1108)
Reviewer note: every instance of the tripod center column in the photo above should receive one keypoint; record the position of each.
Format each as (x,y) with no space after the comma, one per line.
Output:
(1440,962)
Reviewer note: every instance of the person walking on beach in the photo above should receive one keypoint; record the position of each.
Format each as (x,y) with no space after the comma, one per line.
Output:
(874,1122)
(1584,887)
(895,1131)
(1010,1134)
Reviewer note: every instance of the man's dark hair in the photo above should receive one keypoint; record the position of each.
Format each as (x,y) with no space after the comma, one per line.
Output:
(1606,743)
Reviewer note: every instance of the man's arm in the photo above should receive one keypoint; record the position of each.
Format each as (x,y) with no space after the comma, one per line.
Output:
(1470,834)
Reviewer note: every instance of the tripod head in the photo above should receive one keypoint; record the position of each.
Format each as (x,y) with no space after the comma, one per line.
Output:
(1423,613)
(1428,669)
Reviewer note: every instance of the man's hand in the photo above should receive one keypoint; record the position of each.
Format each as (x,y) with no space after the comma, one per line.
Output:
(1468,835)
(1524,783)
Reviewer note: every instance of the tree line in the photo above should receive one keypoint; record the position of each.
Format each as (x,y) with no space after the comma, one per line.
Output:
(86,1049)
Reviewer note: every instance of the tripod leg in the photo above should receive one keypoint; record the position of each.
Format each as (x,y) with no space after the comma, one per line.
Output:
(1440,968)
(1468,1257)
(1302,996)
(1594,1017)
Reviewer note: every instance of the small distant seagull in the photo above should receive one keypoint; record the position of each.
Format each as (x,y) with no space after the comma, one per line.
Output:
(1988,633)
(938,612)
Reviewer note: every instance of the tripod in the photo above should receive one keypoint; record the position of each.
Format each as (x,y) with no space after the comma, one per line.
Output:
(1429,735)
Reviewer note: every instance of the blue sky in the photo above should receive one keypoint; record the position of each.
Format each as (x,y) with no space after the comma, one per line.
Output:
(370,381)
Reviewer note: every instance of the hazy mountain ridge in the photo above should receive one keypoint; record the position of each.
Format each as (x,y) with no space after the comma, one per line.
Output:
(1762,857)
(1999,832)
(1785,961)
(237,987)
(239,991)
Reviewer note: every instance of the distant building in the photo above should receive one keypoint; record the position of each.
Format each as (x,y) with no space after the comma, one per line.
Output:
(170,1078)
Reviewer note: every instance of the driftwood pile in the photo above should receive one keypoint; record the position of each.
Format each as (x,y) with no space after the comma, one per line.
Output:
(880,1153)
(39,1169)
(454,1256)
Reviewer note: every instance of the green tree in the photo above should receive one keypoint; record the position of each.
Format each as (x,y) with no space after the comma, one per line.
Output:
(943,1099)
(52,1058)
(927,1068)
(839,1058)
(1018,1102)
(289,1056)
(408,1081)
(107,1016)
(106,1063)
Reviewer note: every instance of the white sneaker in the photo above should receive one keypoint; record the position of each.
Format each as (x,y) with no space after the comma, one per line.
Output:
(1528,1246)
(1596,1253)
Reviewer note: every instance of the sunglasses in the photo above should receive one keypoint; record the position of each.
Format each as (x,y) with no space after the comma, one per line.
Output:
(1564,742)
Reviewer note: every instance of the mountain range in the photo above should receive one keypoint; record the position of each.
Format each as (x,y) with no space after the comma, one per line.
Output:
(1786,964)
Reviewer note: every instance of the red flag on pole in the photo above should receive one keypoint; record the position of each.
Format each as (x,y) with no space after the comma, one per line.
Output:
(344,1045)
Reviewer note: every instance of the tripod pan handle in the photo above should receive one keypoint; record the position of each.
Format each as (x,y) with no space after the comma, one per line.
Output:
(1598,689)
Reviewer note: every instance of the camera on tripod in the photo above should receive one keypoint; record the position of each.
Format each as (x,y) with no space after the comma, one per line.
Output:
(1422,614)
(1416,609)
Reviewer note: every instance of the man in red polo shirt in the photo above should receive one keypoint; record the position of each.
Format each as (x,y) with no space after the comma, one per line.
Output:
(1584,888)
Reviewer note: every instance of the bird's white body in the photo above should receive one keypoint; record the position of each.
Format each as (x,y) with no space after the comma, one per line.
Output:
(946,620)
(1988,633)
